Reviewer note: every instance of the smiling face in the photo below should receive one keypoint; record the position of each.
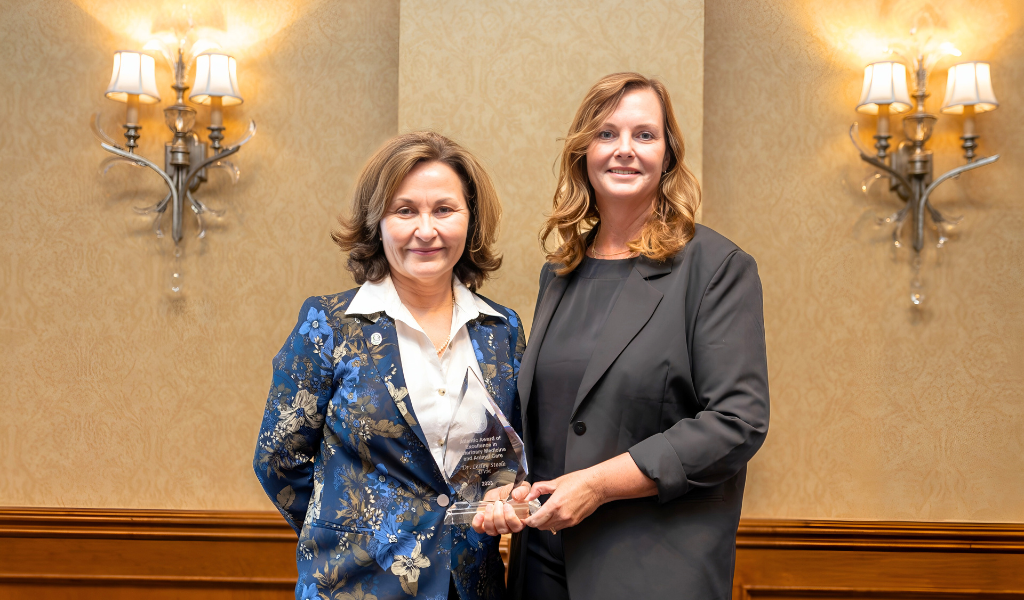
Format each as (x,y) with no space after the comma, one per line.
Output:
(626,157)
(424,228)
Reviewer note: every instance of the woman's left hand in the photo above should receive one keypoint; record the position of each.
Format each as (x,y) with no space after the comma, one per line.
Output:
(574,497)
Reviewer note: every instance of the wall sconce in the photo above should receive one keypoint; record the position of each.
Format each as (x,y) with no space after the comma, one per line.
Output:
(909,167)
(185,156)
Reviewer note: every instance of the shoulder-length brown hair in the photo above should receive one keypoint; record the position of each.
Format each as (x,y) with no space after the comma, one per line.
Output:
(671,223)
(359,232)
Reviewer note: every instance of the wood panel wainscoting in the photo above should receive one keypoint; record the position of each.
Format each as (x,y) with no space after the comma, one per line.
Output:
(83,553)
(846,560)
(89,553)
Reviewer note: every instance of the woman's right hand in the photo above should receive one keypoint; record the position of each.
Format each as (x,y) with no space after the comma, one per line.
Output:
(499,518)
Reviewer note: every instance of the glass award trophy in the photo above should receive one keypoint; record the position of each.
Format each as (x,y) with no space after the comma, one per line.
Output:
(481,452)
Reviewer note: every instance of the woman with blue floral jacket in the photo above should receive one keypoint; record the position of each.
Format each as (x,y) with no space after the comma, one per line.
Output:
(351,440)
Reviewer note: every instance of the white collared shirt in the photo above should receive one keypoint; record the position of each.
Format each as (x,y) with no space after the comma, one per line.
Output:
(433,383)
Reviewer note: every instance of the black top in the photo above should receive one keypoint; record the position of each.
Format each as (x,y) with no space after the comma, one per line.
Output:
(564,354)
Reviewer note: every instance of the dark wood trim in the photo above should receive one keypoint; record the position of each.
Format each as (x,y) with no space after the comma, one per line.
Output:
(756,591)
(88,523)
(73,579)
(881,535)
(93,523)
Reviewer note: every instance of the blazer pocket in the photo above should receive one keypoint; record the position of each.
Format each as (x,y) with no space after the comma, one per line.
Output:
(341,528)
(342,543)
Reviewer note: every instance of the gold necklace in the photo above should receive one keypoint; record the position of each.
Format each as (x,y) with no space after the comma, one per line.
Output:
(595,253)
(449,340)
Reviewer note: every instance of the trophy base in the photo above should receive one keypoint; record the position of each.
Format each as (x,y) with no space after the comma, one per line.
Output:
(462,513)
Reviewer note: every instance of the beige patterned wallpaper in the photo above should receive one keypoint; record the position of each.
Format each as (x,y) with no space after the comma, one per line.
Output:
(118,394)
(122,395)
(878,411)
(505,78)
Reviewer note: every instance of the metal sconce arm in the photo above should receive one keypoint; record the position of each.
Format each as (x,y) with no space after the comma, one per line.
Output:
(935,214)
(139,160)
(221,155)
(871,160)
(191,185)
(916,198)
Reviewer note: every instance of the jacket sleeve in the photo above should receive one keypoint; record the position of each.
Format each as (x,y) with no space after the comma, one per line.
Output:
(729,366)
(293,421)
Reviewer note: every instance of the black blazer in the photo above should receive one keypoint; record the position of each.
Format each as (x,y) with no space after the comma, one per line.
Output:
(679,379)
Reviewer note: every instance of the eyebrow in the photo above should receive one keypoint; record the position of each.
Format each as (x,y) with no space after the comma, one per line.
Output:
(640,126)
(411,201)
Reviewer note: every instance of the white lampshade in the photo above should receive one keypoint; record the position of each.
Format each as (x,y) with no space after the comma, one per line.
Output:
(969,84)
(884,83)
(134,73)
(215,76)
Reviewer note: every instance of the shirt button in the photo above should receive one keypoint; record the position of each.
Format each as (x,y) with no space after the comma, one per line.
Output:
(441,391)
(579,427)
(442,500)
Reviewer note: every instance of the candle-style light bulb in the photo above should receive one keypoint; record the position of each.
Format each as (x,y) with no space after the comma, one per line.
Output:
(968,93)
(884,93)
(133,82)
(216,85)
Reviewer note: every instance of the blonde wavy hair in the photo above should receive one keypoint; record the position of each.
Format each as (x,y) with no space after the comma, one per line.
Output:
(671,223)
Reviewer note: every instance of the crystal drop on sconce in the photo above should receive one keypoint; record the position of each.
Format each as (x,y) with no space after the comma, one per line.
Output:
(916,291)
(176,271)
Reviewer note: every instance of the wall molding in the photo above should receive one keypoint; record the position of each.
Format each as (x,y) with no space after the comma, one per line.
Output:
(753,591)
(113,553)
(88,523)
(881,535)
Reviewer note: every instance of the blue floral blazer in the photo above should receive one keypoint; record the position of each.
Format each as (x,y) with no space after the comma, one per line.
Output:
(341,455)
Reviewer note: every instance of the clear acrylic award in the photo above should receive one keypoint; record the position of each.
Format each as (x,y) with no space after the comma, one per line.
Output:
(481,452)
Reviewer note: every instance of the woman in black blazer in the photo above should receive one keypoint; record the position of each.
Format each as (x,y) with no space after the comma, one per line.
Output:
(644,387)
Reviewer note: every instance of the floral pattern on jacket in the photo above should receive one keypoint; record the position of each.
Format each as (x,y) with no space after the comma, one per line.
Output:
(342,457)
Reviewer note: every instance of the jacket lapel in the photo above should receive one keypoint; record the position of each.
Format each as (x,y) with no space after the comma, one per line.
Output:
(541,320)
(388,361)
(483,336)
(633,308)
